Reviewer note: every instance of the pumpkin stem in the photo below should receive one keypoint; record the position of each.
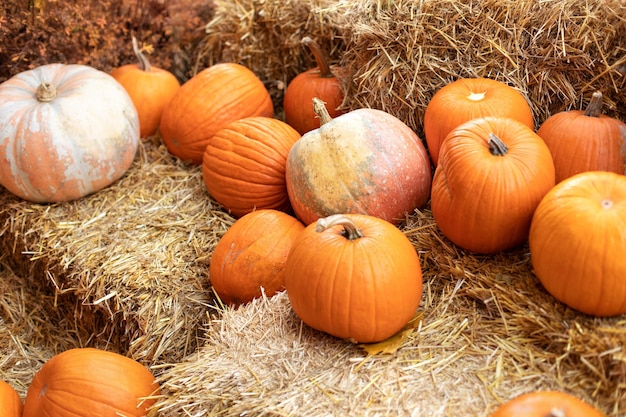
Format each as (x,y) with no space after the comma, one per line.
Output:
(319,107)
(350,231)
(594,108)
(556,412)
(144,64)
(45,92)
(320,57)
(496,146)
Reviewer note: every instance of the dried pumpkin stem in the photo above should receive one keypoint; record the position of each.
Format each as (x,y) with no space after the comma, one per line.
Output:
(350,231)
(45,92)
(556,412)
(319,107)
(496,146)
(594,108)
(144,64)
(320,57)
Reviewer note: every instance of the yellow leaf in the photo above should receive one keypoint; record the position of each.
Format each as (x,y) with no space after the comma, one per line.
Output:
(395,342)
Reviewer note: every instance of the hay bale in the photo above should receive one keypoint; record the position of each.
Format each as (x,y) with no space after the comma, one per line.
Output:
(397,54)
(134,256)
(488,332)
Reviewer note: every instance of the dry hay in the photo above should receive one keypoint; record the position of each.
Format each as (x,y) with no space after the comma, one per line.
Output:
(399,53)
(488,332)
(132,258)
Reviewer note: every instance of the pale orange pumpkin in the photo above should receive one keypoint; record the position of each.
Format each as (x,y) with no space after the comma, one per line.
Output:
(546,403)
(89,382)
(249,259)
(151,89)
(471,98)
(243,166)
(577,242)
(10,402)
(66,131)
(214,97)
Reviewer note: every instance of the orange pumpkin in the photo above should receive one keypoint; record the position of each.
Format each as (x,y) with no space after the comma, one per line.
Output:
(244,165)
(250,257)
(66,131)
(88,382)
(214,97)
(492,173)
(150,88)
(10,402)
(354,276)
(364,161)
(320,82)
(585,140)
(471,98)
(577,242)
(546,404)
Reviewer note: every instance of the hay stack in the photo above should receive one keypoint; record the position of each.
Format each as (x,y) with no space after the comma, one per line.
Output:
(132,259)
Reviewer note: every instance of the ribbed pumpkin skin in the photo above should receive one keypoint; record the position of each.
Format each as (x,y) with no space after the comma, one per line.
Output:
(470,98)
(76,144)
(546,404)
(216,96)
(365,161)
(578,240)
(243,165)
(364,290)
(10,402)
(483,202)
(252,254)
(88,382)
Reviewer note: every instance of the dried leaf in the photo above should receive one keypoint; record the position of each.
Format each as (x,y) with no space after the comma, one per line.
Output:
(395,342)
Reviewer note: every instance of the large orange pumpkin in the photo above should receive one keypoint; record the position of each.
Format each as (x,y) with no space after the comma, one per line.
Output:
(250,257)
(471,98)
(492,173)
(10,402)
(320,82)
(151,89)
(364,161)
(546,404)
(66,131)
(578,241)
(354,276)
(585,140)
(244,165)
(88,382)
(214,97)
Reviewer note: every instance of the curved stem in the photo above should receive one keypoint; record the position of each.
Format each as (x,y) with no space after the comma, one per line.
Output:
(496,146)
(350,231)
(144,64)
(320,57)
(594,108)
(319,107)
(45,92)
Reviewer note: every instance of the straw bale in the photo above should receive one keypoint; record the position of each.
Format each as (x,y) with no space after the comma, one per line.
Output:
(134,256)
(397,54)
(488,332)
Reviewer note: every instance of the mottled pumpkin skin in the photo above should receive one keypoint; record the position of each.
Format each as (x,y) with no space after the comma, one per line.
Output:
(364,161)
(88,382)
(578,240)
(214,97)
(546,404)
(10,402)
(76,144)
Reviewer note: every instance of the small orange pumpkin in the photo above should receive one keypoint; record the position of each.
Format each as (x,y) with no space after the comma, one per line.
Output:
(354,276)
(214,97)
(320,82)
(10,402)
(577,242)
(471,98)
(546,404)
(150,88)
(244,165)
(89,382)
(251,256)
(585,140)
(492,173)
